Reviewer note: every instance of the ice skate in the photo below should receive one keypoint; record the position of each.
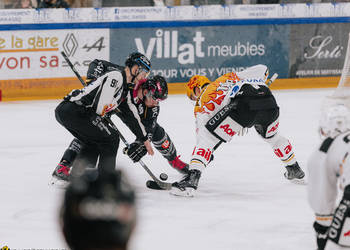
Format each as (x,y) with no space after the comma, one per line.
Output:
(188,185)
(60,176)
(179,165)
(295,174)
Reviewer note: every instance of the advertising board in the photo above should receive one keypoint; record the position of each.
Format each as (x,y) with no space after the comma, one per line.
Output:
(180,53)
(27,54)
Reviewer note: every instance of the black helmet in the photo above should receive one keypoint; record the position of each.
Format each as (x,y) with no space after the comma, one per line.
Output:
(98,211)
(138,59)
(157,87)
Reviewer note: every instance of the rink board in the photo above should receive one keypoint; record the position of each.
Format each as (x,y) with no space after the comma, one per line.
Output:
(304,44)
(41,89)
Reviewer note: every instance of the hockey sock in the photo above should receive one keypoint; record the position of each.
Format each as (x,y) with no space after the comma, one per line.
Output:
(282,149)
(166,147)
(72,151)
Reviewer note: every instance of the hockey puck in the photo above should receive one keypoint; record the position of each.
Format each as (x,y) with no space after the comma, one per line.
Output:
(163,176)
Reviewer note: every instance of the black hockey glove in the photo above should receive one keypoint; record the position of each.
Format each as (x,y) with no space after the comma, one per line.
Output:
(321,235)
(135,151)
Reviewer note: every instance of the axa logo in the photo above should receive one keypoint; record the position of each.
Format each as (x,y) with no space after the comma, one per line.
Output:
(226,128)
(205,153)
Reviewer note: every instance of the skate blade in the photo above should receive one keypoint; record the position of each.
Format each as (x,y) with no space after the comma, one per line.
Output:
(189,192)
(299,181)
(58,183)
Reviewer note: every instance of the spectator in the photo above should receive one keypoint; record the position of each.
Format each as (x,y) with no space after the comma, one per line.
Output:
(53,4)
(98,212)
(23,4)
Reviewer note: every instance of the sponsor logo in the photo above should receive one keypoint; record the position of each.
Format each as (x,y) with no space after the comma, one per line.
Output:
(70,44)
(217,117)
(165,144)
(228,130)
(107,108)
(338,219)
(281,152)
(205,153)
(321,48)
(347,234)
(274,128)
(98,123)
(166,44)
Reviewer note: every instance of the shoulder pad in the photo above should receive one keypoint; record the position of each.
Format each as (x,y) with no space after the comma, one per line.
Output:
(326,144)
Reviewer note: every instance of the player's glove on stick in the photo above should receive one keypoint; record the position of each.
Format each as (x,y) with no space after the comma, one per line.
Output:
(135,151)
(321,235)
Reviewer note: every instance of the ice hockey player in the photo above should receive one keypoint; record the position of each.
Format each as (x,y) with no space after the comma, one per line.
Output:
(146,97)
(227,107)
(329,165)
(82,114)
(98,212)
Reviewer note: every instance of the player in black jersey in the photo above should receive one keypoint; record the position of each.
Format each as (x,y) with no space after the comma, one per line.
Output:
(82,112)
(145,96)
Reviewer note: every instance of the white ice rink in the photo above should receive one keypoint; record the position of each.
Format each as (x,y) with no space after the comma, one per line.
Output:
(243,201)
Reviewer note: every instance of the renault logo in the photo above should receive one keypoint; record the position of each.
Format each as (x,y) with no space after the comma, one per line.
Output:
(70,44)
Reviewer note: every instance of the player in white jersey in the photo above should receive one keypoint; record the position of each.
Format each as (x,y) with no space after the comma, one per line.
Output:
(329,166)
(82,113)
(229,106)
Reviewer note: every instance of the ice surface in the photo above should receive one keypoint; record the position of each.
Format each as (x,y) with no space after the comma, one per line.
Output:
(243,201)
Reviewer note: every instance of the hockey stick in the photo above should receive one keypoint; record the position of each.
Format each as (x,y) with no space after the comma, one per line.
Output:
(273,78)
(161,184)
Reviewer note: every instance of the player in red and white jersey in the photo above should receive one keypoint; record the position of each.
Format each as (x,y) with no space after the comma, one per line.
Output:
(229,106)
(328,166)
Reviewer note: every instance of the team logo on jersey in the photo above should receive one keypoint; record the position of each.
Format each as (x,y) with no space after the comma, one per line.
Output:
(205,153)
(107,108)
(215,93)
(165,144)
(234,91)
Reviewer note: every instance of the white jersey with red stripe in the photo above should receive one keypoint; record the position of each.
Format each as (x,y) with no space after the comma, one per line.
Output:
(328,166)
(214,98)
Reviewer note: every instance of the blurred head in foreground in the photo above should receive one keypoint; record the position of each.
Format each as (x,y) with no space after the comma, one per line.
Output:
(334,121)
(98,212)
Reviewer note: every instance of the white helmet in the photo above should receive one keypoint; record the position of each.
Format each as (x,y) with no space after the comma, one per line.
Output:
(335,120)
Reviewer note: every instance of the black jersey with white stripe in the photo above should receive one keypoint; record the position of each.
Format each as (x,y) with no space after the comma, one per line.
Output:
(105,94)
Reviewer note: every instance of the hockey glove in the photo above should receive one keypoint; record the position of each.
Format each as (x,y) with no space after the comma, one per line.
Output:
(135,151)
(321,235)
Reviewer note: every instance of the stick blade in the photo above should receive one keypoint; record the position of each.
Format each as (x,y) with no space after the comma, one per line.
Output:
(153,185)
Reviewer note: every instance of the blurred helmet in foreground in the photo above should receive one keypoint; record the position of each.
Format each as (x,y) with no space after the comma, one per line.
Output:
(98,211)
(335,120)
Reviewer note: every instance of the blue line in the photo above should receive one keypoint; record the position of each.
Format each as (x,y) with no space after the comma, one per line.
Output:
(187,23)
